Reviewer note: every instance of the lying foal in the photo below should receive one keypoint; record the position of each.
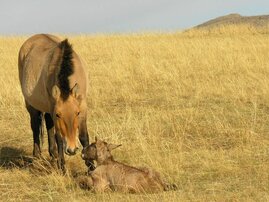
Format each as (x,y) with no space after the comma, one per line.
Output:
(112,175)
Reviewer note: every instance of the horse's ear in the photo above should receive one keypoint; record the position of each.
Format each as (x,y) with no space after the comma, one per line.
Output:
(113,146)
(79,98)
(75,90)
(56,92)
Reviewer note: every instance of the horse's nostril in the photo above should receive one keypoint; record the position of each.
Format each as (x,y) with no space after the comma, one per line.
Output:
(71,151)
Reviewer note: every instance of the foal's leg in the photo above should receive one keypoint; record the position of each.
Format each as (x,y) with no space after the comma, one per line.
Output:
(51,136)
(100,184)
(36,125)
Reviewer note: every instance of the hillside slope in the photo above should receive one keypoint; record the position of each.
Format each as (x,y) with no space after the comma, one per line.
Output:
(235,19)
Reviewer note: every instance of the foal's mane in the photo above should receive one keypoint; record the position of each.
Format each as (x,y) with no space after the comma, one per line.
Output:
(66,68)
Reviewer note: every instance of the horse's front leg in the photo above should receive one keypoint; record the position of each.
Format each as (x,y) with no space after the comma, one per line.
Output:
(51,137)
(60,146)
(84,140)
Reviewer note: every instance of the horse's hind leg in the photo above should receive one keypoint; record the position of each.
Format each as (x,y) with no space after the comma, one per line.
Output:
(51,136)
(36,125)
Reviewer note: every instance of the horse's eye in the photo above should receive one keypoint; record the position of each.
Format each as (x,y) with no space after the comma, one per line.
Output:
(58,115)
(78,113)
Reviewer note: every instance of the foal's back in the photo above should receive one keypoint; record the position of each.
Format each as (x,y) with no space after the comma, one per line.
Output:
(131,179)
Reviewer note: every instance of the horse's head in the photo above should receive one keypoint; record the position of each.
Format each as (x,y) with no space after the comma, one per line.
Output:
(66,117)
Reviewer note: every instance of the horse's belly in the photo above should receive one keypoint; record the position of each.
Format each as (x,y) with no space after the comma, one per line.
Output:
(34,89)
(38,102)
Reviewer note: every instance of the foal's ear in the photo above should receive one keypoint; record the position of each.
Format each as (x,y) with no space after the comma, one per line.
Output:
(56,92)
(97,140)
(113,146)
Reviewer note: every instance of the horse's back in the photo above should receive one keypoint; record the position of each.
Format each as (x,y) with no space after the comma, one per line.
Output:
(37,44)
(39,63)
(34,56)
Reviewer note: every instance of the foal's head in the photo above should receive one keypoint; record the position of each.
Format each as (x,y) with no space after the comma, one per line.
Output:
(99,151)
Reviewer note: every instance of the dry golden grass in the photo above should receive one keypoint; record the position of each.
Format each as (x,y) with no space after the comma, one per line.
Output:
(192,105)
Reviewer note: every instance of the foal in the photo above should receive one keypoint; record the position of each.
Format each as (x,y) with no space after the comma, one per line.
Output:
(113,175)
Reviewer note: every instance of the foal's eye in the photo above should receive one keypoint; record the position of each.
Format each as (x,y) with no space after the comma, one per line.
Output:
(78,113)
(58,115)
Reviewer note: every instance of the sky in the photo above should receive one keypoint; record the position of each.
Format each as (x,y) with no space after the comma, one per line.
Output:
(116,16)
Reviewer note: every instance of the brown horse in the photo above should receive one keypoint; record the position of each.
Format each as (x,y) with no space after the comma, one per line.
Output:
(54,82)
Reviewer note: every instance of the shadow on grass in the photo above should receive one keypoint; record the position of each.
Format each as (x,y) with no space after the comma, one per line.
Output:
(11,158)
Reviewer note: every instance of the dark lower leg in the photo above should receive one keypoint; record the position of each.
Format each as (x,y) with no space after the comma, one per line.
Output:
(83,134)
(84,140)
(36,124)
(60,159)
(51,136)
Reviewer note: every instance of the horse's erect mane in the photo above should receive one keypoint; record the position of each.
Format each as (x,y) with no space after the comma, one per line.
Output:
(66,68)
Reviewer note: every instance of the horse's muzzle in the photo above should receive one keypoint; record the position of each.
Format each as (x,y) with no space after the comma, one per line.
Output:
(70,151)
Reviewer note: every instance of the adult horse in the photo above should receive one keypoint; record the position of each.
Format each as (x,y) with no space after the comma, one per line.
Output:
(54,82)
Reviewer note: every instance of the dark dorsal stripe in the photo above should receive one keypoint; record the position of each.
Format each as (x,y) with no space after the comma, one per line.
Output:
(66,68)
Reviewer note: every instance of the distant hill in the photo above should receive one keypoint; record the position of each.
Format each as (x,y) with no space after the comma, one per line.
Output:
(234,19)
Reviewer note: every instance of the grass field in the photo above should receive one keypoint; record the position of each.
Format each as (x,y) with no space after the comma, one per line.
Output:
(193,105)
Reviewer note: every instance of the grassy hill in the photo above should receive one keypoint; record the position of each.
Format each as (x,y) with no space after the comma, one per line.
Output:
(193,106)
(236,19)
